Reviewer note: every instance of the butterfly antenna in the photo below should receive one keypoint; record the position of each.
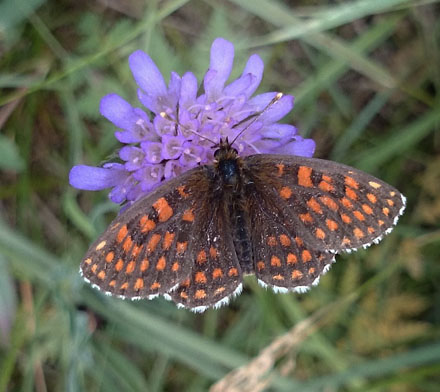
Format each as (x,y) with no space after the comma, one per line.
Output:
(167,117)
(255,116)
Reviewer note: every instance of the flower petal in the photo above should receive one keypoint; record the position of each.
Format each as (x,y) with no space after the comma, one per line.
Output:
(188,90)
(222,58)
(91,178)
(300,147)
(276,111)
(249,80)
(147,75)
(118,111)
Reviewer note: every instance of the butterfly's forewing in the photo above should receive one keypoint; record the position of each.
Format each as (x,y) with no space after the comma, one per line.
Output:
(329,206)
(216,274)
(144,252)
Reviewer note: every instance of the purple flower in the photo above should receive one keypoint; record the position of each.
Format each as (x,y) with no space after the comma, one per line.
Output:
(182,126)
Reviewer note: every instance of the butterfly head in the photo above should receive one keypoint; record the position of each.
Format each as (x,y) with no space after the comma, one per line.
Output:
(227,162)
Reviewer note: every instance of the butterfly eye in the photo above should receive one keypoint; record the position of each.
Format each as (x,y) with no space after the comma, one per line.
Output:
(217,153)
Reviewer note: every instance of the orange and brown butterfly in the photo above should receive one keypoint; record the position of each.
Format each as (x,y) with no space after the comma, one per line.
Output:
(280,217)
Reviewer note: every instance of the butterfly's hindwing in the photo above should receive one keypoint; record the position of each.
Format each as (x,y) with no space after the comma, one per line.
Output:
(144,252)
(216,274)
(283,260)
(333,207)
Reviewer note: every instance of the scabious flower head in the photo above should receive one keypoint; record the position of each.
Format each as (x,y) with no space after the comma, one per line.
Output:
(178,133)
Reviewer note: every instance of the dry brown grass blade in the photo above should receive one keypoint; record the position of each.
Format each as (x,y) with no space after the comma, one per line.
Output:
(258,374)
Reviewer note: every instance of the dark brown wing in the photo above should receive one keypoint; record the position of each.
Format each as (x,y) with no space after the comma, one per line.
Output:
(330,207)
(216,275)
(146,249)
(282,259)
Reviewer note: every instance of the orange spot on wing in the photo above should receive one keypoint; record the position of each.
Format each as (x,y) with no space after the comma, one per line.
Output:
(345,241)
(175,267)
(390,202)
(299,241)
(331,224)
(326,187)
(144,265)
(136,250)
(200,277)
(101,275)
(358,233)
(233,272)
(121,234)
(358,215)
(185,283)
(119,265)
(127,244)
(217,273)
(155,286)
(146,224)
(181,247)
(109,257)
(278,277)
(88,261)
(350,193)
(285,240)
(386,211)
(213,252)
(112,283)
(152,243)
(181,190)
(139,284)
(297,274)
(372,198)
(346,203)
(130,267)
(260,265)
(271,241)
(314,205)
(351,182)
(329,202)
(188,216)
(380,222)
(326,178)
(167,240)
(304,176)
(200,294)
(371,230)
(367,209)
(306,256)
(312,270)
(285,192)
(161,263)
(201,257)
(345,218)
(219,290)
(280,167)
(306,217)
(184,295)
(163,209)
(291,258)
(124,286)
(275,261)
(319,233)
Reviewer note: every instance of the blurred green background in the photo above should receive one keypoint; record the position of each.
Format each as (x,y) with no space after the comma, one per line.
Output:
(366,76)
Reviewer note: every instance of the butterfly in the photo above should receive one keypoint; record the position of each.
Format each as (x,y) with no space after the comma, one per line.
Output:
(280,217)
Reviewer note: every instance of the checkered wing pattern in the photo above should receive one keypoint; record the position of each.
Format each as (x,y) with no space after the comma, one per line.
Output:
(216,274)
(282,259)
(145,251)
(324,205)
